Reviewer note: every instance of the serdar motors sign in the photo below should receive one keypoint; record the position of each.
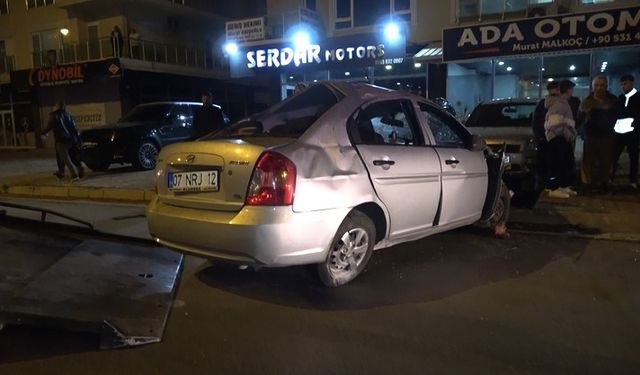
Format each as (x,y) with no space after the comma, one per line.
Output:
(608,28)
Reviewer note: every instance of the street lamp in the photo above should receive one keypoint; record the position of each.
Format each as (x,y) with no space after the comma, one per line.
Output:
(63,32)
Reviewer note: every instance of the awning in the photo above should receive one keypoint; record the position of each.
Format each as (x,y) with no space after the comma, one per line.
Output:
(429,53)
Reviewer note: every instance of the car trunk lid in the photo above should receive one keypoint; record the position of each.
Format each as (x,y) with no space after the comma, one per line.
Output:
(223,167)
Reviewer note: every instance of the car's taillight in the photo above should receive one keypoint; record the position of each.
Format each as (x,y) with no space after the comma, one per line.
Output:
(273,181)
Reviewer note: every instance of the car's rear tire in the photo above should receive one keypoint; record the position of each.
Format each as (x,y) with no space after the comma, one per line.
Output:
(145,157)
(98,166)
(350,250)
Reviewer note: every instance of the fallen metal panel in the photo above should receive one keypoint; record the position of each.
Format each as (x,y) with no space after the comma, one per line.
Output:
(123,292)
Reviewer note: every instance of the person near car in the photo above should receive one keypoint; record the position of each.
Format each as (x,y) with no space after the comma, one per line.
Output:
(65,135)
(537,125)
(627,128)
(597,118)
(206,119)
(560,132)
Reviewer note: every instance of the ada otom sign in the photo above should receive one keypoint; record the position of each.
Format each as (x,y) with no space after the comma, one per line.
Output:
(606,28)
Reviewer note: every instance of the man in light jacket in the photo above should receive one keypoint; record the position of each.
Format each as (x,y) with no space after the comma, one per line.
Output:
(560,133)
(627,129)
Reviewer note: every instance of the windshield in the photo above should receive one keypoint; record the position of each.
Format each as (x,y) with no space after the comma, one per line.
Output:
(290,118)
(148,112)
(502,115)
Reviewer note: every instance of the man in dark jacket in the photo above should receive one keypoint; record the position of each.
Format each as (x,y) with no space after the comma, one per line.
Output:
(597,117)
(627,128)
(207,118)
(537,125)
(65,135)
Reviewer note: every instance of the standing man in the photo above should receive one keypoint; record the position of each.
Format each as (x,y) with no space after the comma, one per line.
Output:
(117,41)
(65,135)
(560,133)
(537,125)
(597,115)
(134,43)
(207,118)
(627,128)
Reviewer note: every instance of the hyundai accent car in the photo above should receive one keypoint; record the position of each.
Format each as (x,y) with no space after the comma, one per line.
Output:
(325,178)
(140,134)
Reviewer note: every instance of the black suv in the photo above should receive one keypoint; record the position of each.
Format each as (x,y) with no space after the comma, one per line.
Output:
(138,136)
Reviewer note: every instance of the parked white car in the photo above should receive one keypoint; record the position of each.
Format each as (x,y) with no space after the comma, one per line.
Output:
(325,178)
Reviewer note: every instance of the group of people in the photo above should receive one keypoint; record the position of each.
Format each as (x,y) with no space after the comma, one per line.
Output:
(608,124)
(117,43)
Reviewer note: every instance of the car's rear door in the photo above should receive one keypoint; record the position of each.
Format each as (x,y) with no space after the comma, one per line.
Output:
(404,172)
(464,172)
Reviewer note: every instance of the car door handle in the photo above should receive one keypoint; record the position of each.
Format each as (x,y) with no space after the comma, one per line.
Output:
(383,162)
(452,161)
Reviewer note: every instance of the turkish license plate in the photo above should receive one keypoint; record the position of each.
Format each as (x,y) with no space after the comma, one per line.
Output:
(193,181)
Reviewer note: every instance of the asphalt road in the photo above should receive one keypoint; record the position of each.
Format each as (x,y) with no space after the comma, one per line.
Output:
(455,303)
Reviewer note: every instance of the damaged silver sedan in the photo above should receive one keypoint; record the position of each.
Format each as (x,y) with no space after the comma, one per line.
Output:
(325,178)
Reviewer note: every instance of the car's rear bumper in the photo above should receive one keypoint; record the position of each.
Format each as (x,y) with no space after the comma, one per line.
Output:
(267,236)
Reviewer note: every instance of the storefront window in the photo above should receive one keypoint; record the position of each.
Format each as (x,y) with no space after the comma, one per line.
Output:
(467,85)
(614,64)
(517,78)
(571,67)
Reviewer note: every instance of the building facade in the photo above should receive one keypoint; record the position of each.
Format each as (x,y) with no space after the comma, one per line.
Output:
(104,57)
(428,57)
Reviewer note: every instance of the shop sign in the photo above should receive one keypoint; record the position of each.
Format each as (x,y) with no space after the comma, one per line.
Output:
(346,51)
(245,30)
(58,75)
(88,115)
(62,75)
(606,28)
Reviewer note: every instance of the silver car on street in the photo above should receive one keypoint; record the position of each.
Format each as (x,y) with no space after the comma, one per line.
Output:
(325,177)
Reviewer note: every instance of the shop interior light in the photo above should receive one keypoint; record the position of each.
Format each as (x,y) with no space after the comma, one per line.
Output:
(550,80)
(291,78)
(500,63)
(388,67)
(509,68)
(347,74)
(417,65)
(301,39)
(542,69)
(575,78)
(231,48)
(572,68)
(392,32)
(64,31)
(398,83)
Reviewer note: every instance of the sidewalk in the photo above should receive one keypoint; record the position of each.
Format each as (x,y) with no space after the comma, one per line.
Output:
(30,173)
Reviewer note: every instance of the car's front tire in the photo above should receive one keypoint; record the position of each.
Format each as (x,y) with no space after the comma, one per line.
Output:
(350,250)
(145,157)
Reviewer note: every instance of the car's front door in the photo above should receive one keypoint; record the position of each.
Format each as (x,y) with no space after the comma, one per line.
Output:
(464,172)
(404,172)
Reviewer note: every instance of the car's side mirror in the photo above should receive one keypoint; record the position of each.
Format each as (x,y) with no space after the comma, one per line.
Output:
(477,143)
(164,129)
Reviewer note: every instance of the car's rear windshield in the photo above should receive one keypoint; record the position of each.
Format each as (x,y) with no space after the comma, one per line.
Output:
(501,115)
(290,118)
(148,112)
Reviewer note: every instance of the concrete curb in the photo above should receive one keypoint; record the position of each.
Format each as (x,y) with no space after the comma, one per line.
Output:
(79,192)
